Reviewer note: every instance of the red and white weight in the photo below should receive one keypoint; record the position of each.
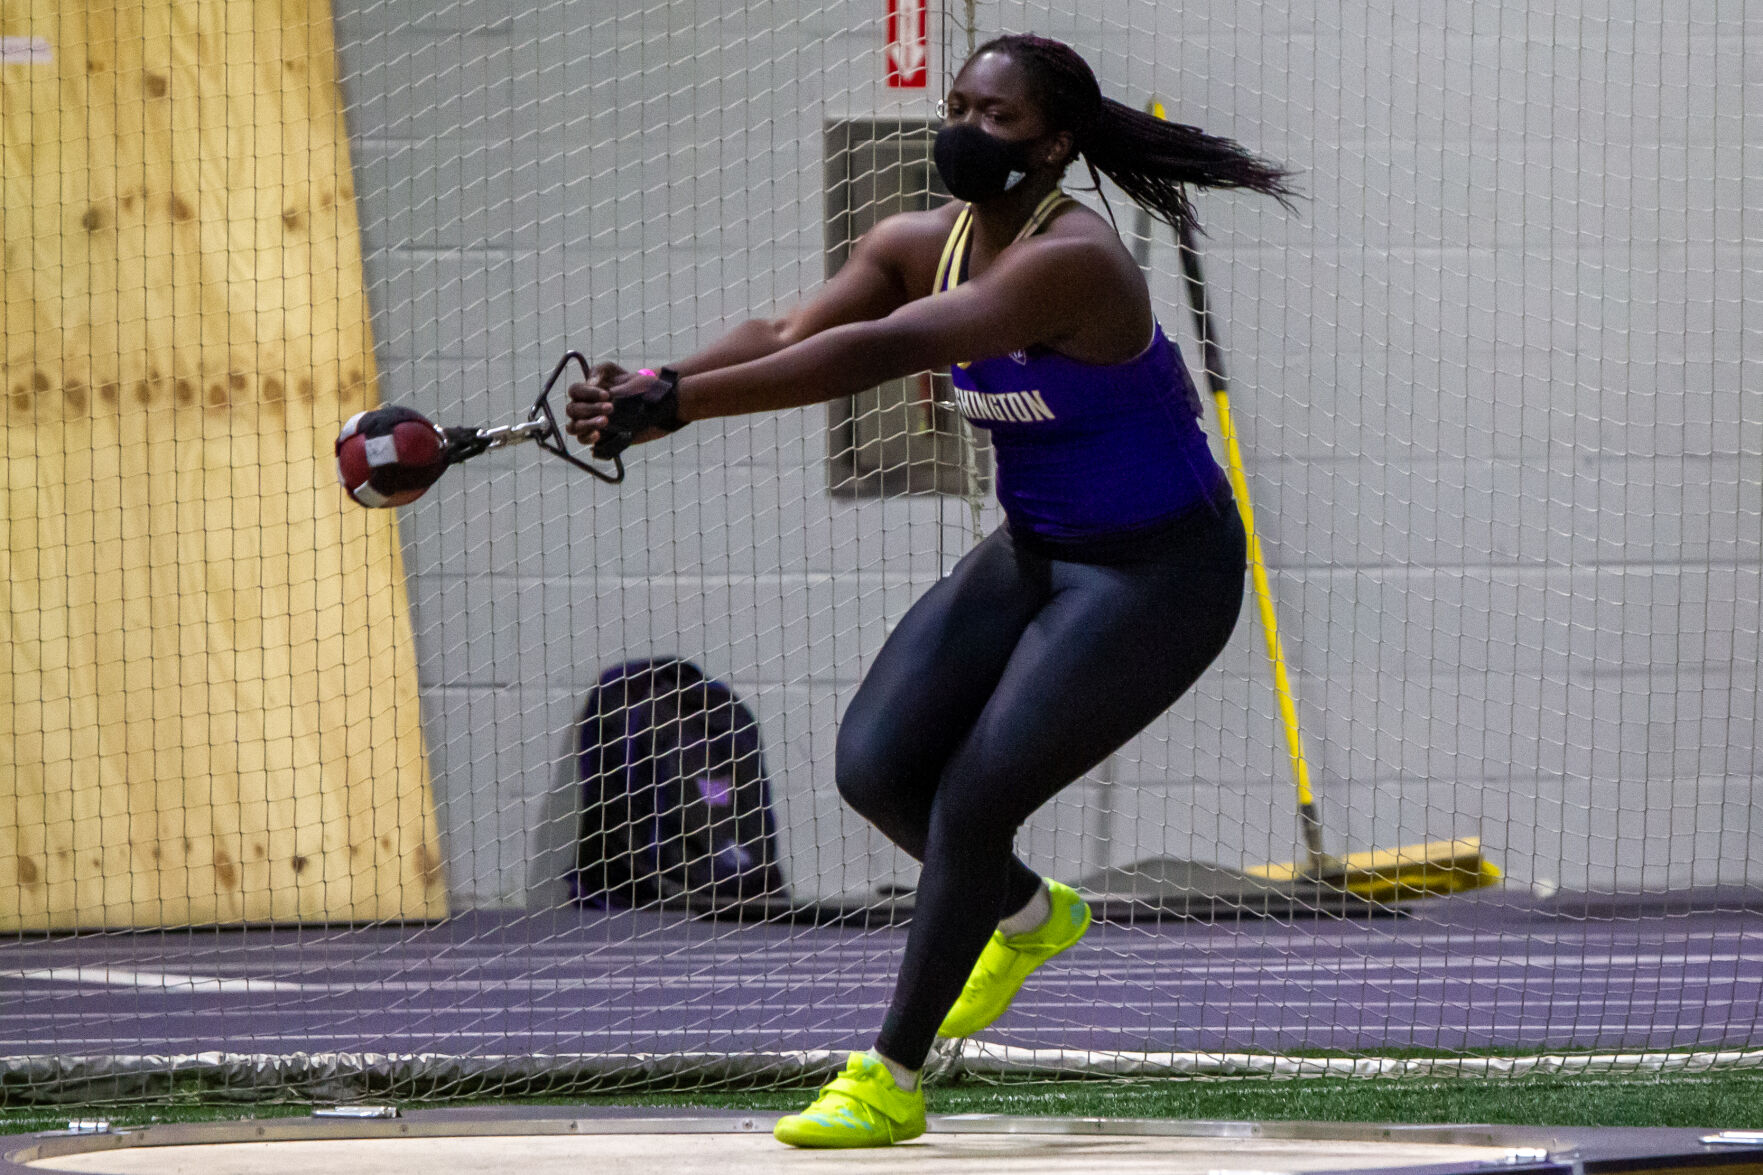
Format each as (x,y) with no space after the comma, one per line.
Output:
(390,456)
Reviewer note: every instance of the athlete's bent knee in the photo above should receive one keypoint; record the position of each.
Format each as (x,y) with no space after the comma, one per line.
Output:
(864,772)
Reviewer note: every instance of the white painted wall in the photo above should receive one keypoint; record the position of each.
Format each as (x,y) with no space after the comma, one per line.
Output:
(1494,381)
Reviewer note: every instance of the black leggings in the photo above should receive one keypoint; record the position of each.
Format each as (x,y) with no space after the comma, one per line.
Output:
(1009,679)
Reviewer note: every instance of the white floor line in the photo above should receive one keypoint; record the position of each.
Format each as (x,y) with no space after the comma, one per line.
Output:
(156,981)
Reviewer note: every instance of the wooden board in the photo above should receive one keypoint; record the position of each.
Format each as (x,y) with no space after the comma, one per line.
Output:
(209,712)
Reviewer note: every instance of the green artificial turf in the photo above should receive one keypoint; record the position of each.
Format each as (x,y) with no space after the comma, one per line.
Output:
(1714,1101)
(1730,1101)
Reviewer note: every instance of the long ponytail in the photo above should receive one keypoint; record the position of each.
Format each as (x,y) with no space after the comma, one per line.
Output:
(1154,162)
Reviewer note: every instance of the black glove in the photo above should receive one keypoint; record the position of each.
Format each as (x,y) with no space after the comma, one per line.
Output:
(632,416)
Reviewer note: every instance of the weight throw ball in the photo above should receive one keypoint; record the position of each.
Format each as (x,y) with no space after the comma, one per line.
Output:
(389,456)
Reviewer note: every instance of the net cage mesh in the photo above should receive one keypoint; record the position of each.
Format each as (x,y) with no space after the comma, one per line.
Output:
(1488,380)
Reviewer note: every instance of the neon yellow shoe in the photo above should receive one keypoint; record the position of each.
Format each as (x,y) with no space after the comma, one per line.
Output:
(1006,962)
(860,1107)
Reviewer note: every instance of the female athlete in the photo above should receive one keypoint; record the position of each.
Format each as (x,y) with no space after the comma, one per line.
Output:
(1117,576)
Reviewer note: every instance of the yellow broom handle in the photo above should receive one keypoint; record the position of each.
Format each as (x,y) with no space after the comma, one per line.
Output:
(1282,686)
(1213,355)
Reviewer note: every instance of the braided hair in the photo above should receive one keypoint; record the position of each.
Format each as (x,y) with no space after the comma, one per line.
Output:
(1151,160)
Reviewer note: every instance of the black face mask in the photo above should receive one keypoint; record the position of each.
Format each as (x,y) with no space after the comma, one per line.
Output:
(976,165)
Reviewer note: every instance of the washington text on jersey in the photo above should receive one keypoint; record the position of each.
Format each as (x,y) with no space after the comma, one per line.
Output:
(1020,406)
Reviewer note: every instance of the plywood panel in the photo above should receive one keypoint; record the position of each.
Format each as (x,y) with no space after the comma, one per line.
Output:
(208,711)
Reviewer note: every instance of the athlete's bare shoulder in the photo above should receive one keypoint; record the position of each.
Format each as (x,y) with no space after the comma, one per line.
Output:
(910,243)
(1077,227)
(1080,250)
(1090,246)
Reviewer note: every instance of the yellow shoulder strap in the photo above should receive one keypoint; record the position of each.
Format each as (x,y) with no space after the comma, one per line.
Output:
(955,248)
(1051,203)
(949,268)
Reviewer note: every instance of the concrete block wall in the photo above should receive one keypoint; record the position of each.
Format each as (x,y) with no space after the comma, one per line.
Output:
(1491,378)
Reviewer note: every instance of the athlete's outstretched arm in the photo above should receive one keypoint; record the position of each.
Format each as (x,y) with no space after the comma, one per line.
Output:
(872,283)
(1029,296)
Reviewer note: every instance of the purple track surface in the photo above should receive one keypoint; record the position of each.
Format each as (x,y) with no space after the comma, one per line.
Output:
(1468,973)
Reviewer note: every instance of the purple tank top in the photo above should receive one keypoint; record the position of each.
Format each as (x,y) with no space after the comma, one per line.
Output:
(1084,450)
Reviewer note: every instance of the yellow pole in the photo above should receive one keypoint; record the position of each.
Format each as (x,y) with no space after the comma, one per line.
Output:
(1309,819)
(1282,686)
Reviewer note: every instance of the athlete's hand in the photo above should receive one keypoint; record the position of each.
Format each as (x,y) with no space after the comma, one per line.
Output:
(590,404)
(642,407)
